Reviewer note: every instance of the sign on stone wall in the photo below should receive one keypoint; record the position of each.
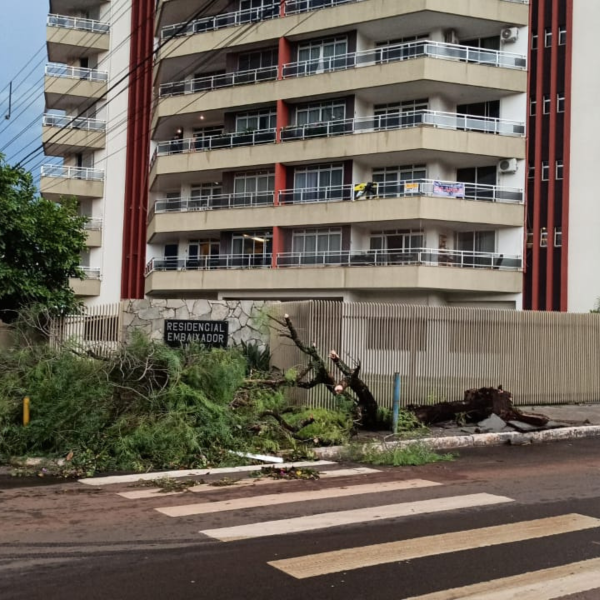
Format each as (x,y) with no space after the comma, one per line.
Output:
(212,334)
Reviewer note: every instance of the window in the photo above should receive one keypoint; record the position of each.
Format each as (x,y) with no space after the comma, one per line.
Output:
(203,196)
(544,238)
(558,237)
(199,248)
(545,170)
(311,241)
(391,181)
(203,136)
(253,188)
(321,55)
(257,10)
(531,172)
(548,37)
(562,35)
(532,107)
(476,241)
(560,102)
(547,105)
(400,114)
(559,169)
(397,240)
(256,121)
(397,108)
(257,243)
(534,41)
(322,182)
(401,49)
(529,239)
(258,60)
(334,110)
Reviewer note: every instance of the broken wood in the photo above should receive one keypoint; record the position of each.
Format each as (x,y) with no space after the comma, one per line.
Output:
(478,404)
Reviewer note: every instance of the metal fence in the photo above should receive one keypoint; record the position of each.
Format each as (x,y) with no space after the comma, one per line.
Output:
(98,329)
(542,358)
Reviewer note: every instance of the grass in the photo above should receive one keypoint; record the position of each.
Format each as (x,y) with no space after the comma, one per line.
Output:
(413,455)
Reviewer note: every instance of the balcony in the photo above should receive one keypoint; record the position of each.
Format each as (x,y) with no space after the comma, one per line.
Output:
(83,182)
(62,134)
(93,228)
(68,87)
(404,202)
(74,36)
(424,269)
(372,18)
(90,285)
(468,138)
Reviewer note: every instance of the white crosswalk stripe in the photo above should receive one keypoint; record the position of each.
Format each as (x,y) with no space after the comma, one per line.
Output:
(369,556)
(300,496)
(202,488)
(349,517)
(547,584)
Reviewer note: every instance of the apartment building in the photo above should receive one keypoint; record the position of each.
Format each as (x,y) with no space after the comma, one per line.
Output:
(293,149)
(364,150)
(563,215)
(94,114)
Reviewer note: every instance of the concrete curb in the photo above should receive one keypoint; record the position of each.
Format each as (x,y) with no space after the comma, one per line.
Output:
(479,440)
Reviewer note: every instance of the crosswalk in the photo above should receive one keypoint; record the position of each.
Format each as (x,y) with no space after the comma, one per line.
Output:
(380,498)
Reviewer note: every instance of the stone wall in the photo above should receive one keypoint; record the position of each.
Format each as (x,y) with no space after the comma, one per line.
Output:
(246,318)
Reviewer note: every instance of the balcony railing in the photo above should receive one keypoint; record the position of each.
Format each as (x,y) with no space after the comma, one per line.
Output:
(228,140)
(293,7)
(343,258)
(64,172)
(64,71)
(78,23)
(215,82)
(405,189)
(215,202)
(405,120)
(93,224)
(209,263)
(91,272)
(231,19)
(66,122)
(401,256)
(408,51)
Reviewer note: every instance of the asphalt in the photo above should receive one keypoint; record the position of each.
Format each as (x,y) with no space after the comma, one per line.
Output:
(62,543)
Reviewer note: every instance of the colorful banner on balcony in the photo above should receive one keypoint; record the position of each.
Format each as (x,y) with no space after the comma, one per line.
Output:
(449,190)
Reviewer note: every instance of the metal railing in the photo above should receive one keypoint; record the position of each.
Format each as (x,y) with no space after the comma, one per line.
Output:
(93,224)
(407,51)
(215,82)
(91,272)
(67,122)
(64,172)
(404,120)
(78,23)
(65,71)
(230,19)
(404,189)
(300,6)
(215,202)
(209,263)
(228,140)
(401,256)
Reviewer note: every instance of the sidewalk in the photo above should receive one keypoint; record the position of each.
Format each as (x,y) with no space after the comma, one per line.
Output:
(570,422)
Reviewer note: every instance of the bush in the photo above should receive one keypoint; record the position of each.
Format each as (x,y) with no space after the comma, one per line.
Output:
(412,455)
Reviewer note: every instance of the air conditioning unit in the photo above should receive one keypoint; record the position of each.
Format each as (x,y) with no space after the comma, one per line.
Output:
(509,35)
(451,37)
(508,165)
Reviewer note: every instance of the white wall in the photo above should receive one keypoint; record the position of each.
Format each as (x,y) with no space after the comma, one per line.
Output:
(584,208)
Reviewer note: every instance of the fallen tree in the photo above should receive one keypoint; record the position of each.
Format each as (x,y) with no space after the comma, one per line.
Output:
(365,404)
(478,404)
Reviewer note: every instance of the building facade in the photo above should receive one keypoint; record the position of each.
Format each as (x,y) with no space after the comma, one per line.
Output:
(563,215)
(96,82)
(344,149)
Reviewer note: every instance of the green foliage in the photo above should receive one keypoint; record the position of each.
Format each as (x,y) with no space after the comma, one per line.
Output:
(411,455)
(258,357)
(40,246)
(150,407)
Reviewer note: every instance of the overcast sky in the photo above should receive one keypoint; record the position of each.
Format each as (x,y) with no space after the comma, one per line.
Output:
(22,34)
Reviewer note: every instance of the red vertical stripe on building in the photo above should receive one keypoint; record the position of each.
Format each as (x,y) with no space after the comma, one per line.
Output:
(552,159)
(138,149)
(564,292)
(539,123)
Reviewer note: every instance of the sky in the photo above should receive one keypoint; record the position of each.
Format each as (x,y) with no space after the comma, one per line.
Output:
(22,35)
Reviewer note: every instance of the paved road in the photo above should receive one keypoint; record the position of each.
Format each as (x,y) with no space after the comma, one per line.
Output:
(497,524)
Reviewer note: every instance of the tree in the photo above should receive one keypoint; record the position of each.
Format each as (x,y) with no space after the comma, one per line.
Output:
(40,246)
